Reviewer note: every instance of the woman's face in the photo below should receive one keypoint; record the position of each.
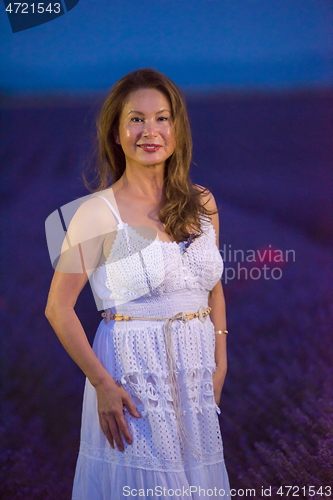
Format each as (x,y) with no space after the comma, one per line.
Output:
(146,131)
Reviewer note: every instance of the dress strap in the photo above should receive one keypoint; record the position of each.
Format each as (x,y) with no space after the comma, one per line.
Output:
(121,224)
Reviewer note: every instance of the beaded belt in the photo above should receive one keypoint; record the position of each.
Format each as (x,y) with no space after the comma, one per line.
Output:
(184,317)
(201,314)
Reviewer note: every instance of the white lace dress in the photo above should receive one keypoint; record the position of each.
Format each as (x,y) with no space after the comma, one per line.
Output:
(156,280)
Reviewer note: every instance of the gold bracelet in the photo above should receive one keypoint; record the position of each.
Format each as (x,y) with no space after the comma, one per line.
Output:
(219,332)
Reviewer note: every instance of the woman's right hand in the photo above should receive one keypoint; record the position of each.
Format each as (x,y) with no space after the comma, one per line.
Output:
(111,400)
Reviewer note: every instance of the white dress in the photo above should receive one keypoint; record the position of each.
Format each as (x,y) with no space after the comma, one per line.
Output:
(156,280)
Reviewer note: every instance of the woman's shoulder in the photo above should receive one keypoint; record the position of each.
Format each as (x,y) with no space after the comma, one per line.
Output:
(206,197)
(93,215)
(209,202)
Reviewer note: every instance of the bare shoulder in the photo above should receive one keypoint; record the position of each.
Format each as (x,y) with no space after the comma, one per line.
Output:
(92,218)
(207,198)
(210,204)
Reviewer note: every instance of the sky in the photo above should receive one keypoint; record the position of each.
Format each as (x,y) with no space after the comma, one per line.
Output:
(201,44)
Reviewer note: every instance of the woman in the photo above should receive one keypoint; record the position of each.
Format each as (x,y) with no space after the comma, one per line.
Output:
(156,370)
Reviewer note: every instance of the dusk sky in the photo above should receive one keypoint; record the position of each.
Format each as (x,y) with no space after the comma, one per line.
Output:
(201,44)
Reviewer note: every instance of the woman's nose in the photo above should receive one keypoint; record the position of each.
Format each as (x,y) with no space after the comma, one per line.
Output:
(149,129)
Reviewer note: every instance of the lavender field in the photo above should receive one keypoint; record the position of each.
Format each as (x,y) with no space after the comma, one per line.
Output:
(267,159)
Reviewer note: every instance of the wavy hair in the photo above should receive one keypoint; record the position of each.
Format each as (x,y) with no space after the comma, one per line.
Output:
(182,202)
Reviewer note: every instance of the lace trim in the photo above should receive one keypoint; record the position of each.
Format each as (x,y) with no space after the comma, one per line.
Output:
(147,463)
(152,393)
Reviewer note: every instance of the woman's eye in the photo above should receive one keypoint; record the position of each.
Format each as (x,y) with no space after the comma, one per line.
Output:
(137,119)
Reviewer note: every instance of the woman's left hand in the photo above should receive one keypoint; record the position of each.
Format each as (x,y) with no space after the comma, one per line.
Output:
(218,381)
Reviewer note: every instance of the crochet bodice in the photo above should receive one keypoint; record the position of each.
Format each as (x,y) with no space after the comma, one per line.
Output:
(138,267)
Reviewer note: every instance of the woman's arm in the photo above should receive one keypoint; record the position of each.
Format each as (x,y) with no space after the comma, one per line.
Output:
(218,314)
(218,317)
(64,291)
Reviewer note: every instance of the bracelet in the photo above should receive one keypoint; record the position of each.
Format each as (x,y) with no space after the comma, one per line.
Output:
(219,332)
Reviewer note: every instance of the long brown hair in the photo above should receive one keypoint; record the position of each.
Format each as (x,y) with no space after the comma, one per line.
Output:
(182,199)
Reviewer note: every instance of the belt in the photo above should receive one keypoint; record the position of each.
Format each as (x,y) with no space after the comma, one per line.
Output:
(184,317)
(201,314)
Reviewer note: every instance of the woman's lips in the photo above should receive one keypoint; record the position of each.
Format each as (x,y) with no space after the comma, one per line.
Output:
(150,148)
